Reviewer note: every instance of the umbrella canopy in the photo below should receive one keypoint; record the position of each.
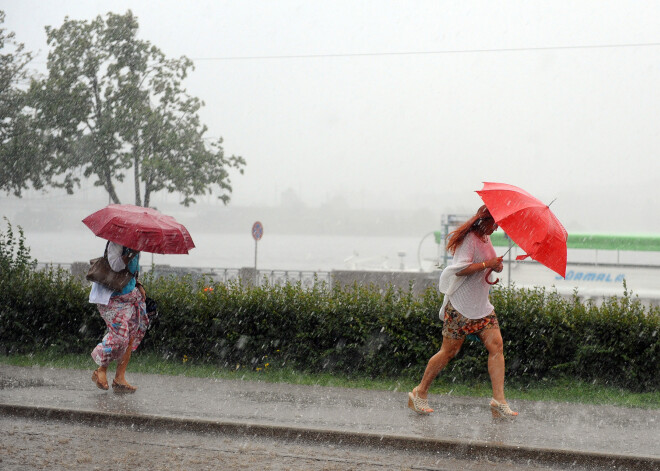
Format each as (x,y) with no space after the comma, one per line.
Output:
(529,222)
(142,229)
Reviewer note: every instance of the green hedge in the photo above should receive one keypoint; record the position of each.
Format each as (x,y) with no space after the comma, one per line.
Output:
(546,335)
(46,309)
(361,331)
(352,331)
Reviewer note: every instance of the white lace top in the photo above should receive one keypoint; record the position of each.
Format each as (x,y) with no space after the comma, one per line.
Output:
(468,294)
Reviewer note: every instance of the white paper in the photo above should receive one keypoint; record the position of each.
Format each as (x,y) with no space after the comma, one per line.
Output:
(100,294)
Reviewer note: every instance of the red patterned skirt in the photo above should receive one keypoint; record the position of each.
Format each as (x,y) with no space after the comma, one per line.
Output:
(125,318)
(457,326)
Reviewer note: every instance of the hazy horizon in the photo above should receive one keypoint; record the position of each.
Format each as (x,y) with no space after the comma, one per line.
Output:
(412,105)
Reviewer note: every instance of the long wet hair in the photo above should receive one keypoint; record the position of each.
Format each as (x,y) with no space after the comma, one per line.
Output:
(476,224)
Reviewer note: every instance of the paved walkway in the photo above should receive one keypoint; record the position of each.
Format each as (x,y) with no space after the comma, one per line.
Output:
(600,436)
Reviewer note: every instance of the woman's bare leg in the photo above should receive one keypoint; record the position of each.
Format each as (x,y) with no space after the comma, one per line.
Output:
(448,350)
(123,363)
(492,339)
(102,376)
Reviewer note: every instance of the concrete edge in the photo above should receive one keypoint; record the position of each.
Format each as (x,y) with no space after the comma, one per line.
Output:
(462,448)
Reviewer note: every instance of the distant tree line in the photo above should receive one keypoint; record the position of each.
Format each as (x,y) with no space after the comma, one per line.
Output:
(110,103)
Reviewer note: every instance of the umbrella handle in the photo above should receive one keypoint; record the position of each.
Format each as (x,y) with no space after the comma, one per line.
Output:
(488,275)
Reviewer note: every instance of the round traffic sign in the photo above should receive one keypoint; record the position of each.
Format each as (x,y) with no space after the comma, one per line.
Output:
(257,230)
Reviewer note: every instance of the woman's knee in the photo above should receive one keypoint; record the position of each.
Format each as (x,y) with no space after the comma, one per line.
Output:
(450,347)
(495,344)
(492,339)
(121,336)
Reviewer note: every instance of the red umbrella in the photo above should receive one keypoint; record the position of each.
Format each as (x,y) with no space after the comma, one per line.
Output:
(529,222)
(138,228)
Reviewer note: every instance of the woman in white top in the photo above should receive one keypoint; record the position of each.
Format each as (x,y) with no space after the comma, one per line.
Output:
(467,310)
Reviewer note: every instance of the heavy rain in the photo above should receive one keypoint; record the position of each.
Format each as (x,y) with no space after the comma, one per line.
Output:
(329,235)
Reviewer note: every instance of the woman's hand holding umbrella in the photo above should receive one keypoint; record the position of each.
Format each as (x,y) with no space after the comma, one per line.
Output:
(494,265)
(130,255)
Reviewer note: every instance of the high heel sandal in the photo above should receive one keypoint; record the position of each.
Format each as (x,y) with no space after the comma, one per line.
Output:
(419,405)
(501,410)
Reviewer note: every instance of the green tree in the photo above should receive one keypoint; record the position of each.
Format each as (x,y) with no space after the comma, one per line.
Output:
(14,253)
(112,102)
(20,162)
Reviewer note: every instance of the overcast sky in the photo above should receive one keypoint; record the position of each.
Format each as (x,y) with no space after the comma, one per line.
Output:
(413,104)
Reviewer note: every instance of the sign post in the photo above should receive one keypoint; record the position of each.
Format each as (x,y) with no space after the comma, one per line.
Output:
(257,234)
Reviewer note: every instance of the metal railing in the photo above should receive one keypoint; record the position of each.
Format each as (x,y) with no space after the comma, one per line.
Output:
(307,279)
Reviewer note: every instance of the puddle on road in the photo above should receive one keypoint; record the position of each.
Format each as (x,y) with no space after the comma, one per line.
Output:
(15,383)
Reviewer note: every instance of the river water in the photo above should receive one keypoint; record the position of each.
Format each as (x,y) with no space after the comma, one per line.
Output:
(290,251)
(274,251)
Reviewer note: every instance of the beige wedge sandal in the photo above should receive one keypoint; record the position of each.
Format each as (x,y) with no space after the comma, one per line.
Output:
(501,410)
(419,405)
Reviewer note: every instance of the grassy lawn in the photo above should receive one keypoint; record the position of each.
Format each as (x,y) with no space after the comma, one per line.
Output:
(563,390)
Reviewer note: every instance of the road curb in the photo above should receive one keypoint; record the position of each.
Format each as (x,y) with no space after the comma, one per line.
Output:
(462,448)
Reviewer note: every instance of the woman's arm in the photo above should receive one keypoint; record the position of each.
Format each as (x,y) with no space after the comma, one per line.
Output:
(140,288)
(116,260)
(494,263)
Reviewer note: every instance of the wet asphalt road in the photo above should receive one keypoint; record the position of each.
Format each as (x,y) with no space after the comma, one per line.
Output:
(199,423)
(32,444)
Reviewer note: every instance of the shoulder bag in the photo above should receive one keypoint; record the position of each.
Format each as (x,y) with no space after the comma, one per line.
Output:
(101,272)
